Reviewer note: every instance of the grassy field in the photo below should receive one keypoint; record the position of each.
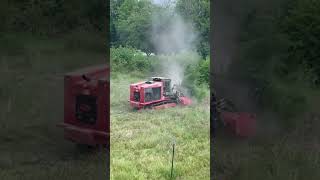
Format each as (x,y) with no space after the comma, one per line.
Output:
(141,142)
(31,93)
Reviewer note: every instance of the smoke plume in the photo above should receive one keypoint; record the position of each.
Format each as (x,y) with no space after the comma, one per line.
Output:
(174,41)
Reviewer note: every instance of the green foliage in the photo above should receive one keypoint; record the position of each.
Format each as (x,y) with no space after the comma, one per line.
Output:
(195,71)
(51,17)
(204,71)
(279,45)
(302,26)
(198,73)
(132,25)
(287,100)
(125,59)
(285,43)
(197,79)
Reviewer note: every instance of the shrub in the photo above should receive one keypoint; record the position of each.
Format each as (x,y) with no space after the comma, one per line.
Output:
(287,101)
(126,59)
(197,78)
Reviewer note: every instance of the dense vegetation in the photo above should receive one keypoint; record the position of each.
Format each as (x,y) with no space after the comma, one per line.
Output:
(279,45)
(52,17)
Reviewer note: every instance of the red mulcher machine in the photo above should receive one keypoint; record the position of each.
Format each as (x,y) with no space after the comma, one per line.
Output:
(240,124)
(87,106)
(156,94)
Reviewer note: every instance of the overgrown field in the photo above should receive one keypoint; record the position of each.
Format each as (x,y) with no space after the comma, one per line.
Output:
(141,142)
(31,93)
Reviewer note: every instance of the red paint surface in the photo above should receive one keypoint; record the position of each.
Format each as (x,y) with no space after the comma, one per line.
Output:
(240,123)
(163,102)
(98,86)
(141,86)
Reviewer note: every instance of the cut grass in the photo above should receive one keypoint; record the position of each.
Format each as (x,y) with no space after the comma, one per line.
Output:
(141,142)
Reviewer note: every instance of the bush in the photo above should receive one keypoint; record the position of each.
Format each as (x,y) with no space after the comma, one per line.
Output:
(197,78)
(278,50)
(187,68)
(126,59)
(52,17)
(204,71)
(286,100)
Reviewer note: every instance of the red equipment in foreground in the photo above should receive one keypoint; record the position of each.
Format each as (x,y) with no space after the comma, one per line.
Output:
(156,94)
(241,124)
(86,106)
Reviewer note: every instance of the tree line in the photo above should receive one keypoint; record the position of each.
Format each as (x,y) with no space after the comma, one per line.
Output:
(280,54)
(51,17)
(131,22)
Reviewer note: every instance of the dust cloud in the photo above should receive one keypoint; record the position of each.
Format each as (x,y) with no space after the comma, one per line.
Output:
(174,41)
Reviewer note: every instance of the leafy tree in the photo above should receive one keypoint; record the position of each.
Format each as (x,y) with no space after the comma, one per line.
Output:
(302,27)
(114,14)
(134,24)
(279,53)
(48,17)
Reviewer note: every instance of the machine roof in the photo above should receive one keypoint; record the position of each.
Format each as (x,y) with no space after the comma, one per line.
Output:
(158,77)
(146,85)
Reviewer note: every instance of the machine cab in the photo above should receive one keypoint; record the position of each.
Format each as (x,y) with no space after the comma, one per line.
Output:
(166,84)
(144,94)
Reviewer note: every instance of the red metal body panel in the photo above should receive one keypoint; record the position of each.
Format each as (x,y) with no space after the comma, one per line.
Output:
(163,102)
(241,124)
(98,87)
(141,87)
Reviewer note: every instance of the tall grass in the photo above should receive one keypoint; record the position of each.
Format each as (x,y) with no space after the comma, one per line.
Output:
(274,158)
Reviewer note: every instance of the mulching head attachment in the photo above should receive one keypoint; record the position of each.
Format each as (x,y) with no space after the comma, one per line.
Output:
(241,124)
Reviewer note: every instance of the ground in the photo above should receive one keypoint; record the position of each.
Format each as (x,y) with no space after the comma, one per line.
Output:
(31,92)
(141,142)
